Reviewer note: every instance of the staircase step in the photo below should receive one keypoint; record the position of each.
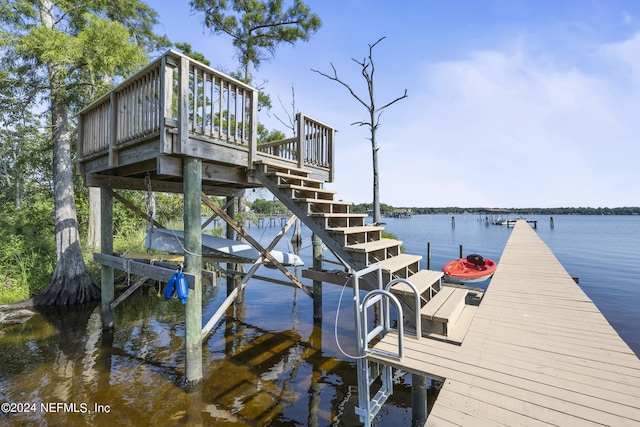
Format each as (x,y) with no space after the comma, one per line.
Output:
(302,191)
(401,265)
(446,306)
(373,246)
(355,229)
(338,220)
(355,235)
(373,251)
(271,166)
(282,178)
(323,205)
(424,281)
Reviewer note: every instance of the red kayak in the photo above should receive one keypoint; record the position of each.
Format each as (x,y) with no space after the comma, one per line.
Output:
(471,269)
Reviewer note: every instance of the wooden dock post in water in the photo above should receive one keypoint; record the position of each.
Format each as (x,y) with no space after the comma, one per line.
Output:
(106,272)
(193,261)
(418,400)
(231,211)
(316,243)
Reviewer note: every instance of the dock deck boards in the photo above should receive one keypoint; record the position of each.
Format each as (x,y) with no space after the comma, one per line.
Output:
(538,351)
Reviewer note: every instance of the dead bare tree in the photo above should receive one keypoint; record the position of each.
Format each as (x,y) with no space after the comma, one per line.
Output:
(291,116)
(373,123)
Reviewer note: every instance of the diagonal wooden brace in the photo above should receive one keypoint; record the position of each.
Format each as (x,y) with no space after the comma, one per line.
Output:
(265,253)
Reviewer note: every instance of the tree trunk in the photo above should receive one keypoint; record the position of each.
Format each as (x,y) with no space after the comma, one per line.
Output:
(374,152)
(71,282)
(376,186)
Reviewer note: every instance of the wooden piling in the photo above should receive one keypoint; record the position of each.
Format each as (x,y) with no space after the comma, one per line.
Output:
(106,273)
(316,244)
(418,400)
(231,211)
(193,260)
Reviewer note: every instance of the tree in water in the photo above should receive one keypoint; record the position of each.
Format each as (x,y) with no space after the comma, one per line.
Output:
(69,48)
(257,28)
(373,122)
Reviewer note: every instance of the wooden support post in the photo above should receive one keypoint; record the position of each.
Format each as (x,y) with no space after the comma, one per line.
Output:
(418,400)
(106,273)
(316,244)
(428,255)
(193,261)
(231,211)
(301,141)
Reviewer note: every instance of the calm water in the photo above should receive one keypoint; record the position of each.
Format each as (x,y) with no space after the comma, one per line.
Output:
(267,363)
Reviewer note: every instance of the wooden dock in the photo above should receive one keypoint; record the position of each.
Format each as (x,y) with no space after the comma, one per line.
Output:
(537,352)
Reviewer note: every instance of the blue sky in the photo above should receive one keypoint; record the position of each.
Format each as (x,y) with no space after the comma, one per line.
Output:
(511,103)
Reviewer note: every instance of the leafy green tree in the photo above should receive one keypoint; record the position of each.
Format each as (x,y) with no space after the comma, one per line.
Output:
(62,53)
(258,27)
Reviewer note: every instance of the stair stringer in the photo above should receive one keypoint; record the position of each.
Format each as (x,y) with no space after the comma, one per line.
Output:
(334,246)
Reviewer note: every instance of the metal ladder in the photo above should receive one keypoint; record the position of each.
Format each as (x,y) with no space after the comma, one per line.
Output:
(382,297)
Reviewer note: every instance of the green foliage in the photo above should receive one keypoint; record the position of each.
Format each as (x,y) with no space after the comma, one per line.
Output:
(265,135)
(268,207)
(61,57)
(188,50)
(27,258)
(258,27)
(368,208)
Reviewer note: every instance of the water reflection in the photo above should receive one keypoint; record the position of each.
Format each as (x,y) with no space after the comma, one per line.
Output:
(268,364)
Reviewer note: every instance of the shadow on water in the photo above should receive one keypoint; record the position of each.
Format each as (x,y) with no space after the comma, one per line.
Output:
(65,370)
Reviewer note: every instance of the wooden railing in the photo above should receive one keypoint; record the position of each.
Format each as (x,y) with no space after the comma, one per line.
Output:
(178,94)
(313,145)
(128,113)
(173,91)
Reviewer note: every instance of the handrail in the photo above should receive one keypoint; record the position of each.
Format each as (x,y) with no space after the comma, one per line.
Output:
(363,337)
(385,325)
(312,145)
(413,287)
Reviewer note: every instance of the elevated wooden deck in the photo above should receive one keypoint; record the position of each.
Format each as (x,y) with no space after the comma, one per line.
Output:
(537,352)
(177,107)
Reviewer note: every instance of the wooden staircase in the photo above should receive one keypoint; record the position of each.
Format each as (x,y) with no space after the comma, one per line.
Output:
(358,245)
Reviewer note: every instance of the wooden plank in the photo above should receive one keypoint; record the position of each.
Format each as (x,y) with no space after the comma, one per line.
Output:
(544,389)
(154,272)
(351,230)
(281,168)
(423,280)
(399,262)
(452,308)
(434,304)
(373,246)
(336,278)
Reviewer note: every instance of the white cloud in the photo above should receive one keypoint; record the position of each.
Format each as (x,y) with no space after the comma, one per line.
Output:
(508,129)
